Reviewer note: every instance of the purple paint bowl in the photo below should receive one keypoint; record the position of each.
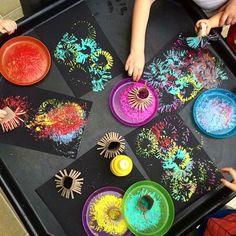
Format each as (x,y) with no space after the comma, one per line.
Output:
(123,111)
(86,218)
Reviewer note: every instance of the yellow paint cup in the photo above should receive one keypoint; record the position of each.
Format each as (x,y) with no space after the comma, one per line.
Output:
(121,165)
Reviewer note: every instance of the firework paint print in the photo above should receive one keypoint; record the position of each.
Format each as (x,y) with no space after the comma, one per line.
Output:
(181,72)
(96,174)
(51,122)
(80,50)
(171,155)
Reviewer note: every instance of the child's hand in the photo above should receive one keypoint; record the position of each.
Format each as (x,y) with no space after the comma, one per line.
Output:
(232,173)
(203,27)
(229,13)
(135,64)
(7,26)
(2,114)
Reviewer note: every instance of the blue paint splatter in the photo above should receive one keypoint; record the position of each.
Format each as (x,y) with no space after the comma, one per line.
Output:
(143,221)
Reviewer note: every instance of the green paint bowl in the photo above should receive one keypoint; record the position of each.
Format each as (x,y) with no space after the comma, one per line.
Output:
(148,209)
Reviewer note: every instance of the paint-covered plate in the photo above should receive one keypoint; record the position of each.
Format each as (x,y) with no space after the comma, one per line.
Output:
(214,112)
(102,214)
(124,111)
(24,60)
(148,209)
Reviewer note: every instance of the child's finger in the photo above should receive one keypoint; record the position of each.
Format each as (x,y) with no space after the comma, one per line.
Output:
(228,184)
(135,74)
(198,26)
(233,21)
(7,27)
(196,29)
(230,171)
(3,31)
(12,27)
(229,20)
(140,71)
(130,71)
(223,19)
(127,65)
(13,23)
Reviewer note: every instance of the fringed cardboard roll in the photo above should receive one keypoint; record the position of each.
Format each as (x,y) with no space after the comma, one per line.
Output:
(140,98)
(12,120)
(68,184)
(111,145)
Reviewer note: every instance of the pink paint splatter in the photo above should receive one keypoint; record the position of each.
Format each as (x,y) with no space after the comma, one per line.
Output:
(135,115)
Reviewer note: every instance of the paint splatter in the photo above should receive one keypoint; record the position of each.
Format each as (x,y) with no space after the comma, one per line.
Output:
(168,102)
(143,221)
(182,73)
(161,138)
(85,54)
(216,114)
(105,215)
(26,62)
(58,121)
(100,63)
(178,161)
(87,28)
(147,144)
(135,115)
(190,89)
(178,174)
(168,141)
(206,69)
(181,189)
(206,176)
(173,127)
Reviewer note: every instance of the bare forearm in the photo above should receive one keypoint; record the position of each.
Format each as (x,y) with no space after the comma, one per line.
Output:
(140,18)
(215,20)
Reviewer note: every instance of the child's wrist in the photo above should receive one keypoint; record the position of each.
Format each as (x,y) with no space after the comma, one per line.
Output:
(210,24)
(136,50)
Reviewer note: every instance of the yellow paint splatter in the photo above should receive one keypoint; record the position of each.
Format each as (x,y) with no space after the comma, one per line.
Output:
(105,214)
(196,88)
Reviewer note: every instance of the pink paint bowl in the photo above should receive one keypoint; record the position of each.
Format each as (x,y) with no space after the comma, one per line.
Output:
(123,110)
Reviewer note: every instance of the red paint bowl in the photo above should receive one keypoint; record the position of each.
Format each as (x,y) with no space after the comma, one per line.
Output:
(24,60)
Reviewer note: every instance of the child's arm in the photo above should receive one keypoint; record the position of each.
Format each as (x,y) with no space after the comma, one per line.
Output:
(2,114)
(7,26)
(135,61)
(212,22)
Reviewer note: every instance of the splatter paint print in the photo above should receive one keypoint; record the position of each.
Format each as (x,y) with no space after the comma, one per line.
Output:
(53,122)
(85,53)
(81,51)
(171,155)
(180,74)
(60,122)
